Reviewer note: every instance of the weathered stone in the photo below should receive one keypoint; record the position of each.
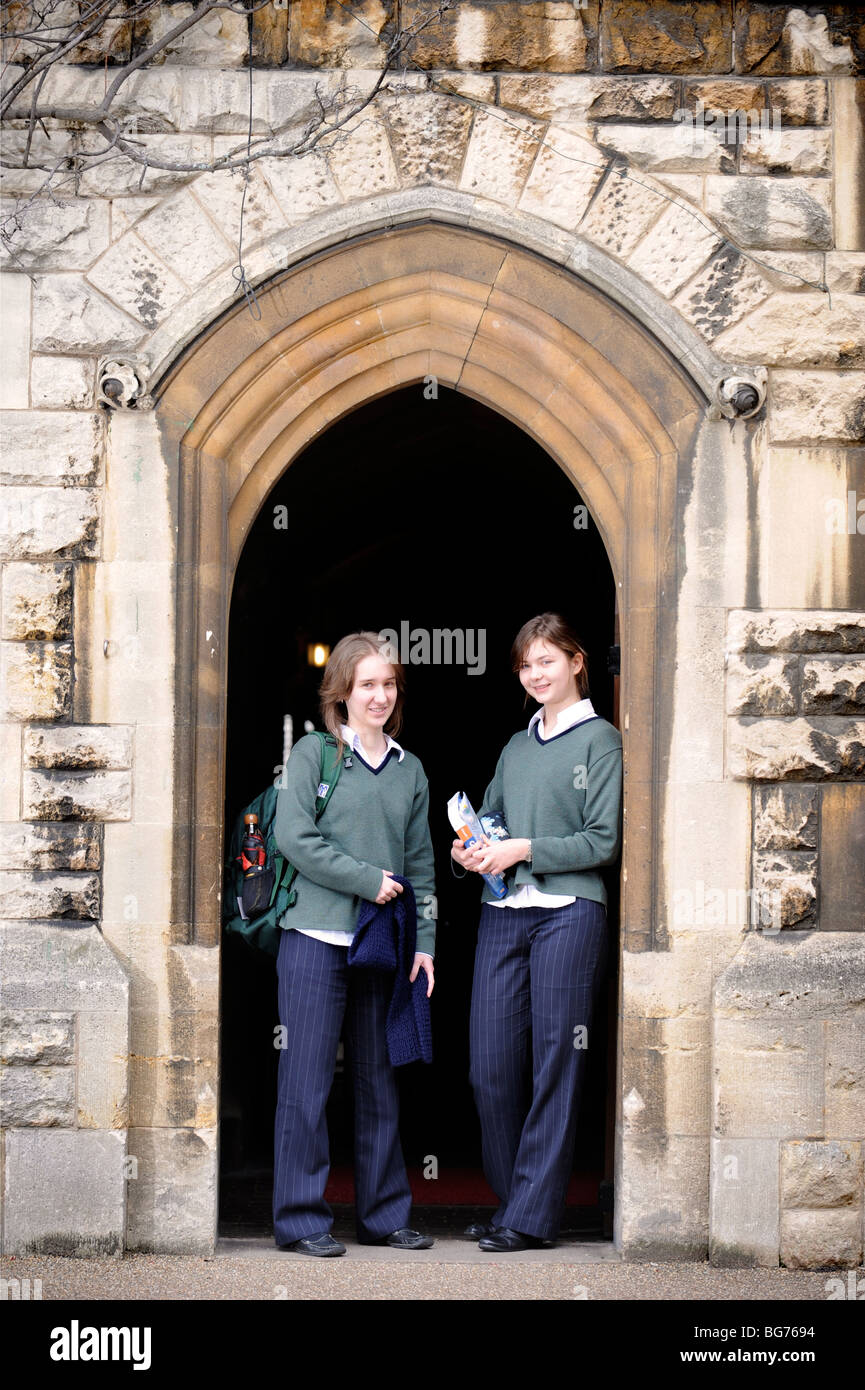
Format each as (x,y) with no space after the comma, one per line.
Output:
(79,746)
(768,1077)
(800,102)
(833,685)
(641,35)
(804,749)
(51,447)
(811,406)
(726,289)
(125,212)
(37,1036)
(42,895)
(329,35)
(792,979)
(821,1239)
(804,151)
(799,330)
(786,214)
(77,795)
(137,281)
(27,846)
(37,602)
(817,1174)
(270,36)
(663,148)
(301,187)
(10,761)
(65,1192)
(655,1225)
(219,40)
(726,95)
(106,176)
(845,271)
(37,1096)
(15,344)
(37,680)
(778,39)
(785,817)
(842,859)
(428,136)
(795,272)
(171,1202)
(621,213)
(64,383)
(221,194)
(500,154)
(37,523)
(795,631)
(45,147)
(69,316)
(762,685)
(563,178)
(581,98)
(785,883)
(673,249)
(744,1202)
(103,1069)
(183,236)
(506,35)
(63,234)
(845,1079)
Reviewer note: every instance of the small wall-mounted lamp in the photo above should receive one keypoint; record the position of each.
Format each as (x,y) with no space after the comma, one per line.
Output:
(318,654)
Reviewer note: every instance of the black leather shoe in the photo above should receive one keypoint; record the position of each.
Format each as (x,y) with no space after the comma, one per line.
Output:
(478,1229)
(323,1245)
(404,1239)
(503,1241)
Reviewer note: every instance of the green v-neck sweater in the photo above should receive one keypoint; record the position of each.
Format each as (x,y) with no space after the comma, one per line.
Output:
(565,795)
(376,819)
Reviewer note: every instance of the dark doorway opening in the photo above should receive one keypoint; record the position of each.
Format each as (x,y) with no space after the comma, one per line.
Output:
(441,514)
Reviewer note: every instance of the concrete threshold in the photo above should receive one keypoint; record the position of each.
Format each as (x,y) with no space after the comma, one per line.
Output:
(445,1251)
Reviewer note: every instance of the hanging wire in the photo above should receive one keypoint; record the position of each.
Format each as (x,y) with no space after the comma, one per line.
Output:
(239,271)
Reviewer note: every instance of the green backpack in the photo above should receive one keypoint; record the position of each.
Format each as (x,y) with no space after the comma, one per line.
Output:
(262,932)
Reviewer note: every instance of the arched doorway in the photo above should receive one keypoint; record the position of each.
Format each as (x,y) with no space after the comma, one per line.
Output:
(423,511)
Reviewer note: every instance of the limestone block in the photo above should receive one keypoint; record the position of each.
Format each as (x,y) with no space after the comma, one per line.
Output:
(664,148)
(833,685)
(125,212)
(804,749)
(183,236)
(785,817)
(815,1174)
(621,213)
(42,1095)
(301,187)
(797,151)
(795,272)
(64,967)
(795,631)
(662,1210)
(37,602)
(780,39)
(786,887)
(47,146)
(783,213)
(173,1197)
(805,975)
(77,795)
(41,446)
(802,102)
(793,330)
(220,40)
(69,316)
(500,154)
(671,984)
(744,1203)
(810,406)
(37,1036)
(37,680)
(104,1072)
(842,857)
(722,293)
(117,178)
(26,846)
(768,1078)
(331,36)
(132,276)
(845,1077)
(762,685)
(564,176)
(139,872)
(10,761)
(673,249)
(221,193)
(15,344)
(62,234)
(506,35)
(48,522)
(78,746)
(821,1239)
(65,1192)
(428,136)
(43,895)
(845,271)
(666,1077)
(641,35)
(360,159)
(582,98)
(725,95)
(62,382)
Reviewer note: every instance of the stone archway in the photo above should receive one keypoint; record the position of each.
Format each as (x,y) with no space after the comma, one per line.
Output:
(527,338)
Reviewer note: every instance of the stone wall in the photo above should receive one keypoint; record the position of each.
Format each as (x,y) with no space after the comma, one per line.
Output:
(570,131)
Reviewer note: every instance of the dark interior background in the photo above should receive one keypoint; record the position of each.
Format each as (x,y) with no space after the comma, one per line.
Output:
(442,513)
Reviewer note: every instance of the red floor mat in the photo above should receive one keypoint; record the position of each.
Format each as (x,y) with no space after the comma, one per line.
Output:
(459,1187)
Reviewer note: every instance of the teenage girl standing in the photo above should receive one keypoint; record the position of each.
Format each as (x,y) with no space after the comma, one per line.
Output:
(541,950)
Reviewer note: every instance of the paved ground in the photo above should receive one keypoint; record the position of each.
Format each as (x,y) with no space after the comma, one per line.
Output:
(452,1270)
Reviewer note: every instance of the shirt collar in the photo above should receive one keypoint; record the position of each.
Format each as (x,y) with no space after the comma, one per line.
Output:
(576,713)
(353,740)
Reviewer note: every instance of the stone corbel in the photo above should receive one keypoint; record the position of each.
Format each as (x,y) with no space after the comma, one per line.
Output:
(740,394)
(120,384)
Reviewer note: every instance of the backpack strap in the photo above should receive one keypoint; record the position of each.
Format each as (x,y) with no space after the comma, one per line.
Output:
(329,769)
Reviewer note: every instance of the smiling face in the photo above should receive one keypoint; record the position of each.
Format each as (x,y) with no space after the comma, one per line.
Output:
(549,674)
(373,695)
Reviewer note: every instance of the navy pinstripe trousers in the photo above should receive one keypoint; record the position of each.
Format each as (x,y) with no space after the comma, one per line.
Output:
(319,995)
(537,971)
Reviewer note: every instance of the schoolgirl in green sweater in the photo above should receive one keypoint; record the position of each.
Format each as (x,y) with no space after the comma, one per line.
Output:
(541,950)
(374,826)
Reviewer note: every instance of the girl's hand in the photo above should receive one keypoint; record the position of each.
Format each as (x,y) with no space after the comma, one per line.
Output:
(389,887)
(463,856)
(426,962)
(494,859)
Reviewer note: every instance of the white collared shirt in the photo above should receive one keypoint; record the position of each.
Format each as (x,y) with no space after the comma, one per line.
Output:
(577,713)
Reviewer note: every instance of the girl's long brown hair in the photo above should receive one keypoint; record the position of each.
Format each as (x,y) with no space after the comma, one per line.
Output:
(558,633)
(338,681)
